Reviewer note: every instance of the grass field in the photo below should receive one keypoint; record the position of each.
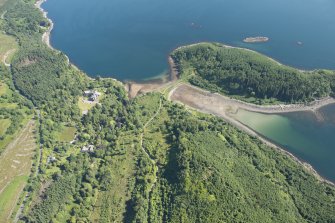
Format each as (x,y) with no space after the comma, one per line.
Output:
(15,167)
(66,134)
(8,105)
(148,107)
(7,140)
(84,105)
(4,124)
(7,44)
(3,88)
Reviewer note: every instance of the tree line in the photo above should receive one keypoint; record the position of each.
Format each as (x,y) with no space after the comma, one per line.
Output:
(245,73)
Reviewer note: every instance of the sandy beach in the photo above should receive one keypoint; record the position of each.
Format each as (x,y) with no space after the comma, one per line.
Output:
(135,88)
(232,105)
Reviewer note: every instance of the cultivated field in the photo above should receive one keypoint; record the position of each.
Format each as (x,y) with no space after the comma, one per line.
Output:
(8,46)
(5,122)
(15,168)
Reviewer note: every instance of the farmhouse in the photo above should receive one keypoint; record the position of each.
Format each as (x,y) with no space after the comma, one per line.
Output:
(92,95)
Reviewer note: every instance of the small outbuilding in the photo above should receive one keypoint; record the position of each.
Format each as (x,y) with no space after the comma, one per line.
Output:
(88,149)
(51,159)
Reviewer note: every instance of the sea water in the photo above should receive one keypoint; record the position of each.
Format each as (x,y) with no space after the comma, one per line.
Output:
(309,136)
(131,39)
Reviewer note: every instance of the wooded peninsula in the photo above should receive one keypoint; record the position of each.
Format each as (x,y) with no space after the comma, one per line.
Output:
(147,159)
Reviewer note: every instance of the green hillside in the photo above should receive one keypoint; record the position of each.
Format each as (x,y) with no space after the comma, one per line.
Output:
(192,168)
(151,160)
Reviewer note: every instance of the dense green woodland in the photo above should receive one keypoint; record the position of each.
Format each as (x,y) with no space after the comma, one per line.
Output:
(192,167)
(13,107)
(250,75)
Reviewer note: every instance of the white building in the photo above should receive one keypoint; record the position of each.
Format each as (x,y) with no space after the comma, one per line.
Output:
(88,149)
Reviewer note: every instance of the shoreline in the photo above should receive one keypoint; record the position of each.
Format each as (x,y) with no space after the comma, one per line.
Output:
(201,101)
(282,108)
(46,35)
(235,104)
(173,74)
(247,49)
(136,88)
(268,142)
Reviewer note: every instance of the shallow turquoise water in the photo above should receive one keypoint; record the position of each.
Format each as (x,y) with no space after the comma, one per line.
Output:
(131,39)
(308,137)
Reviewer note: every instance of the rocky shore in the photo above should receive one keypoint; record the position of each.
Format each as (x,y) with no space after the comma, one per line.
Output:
(257,39)
(47,33)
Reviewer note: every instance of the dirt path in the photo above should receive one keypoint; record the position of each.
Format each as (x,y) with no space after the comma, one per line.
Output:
(221,106)
(152,159)
(4,59)
(3,15)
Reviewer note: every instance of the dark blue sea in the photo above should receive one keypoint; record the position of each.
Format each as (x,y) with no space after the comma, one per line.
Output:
(131,39)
